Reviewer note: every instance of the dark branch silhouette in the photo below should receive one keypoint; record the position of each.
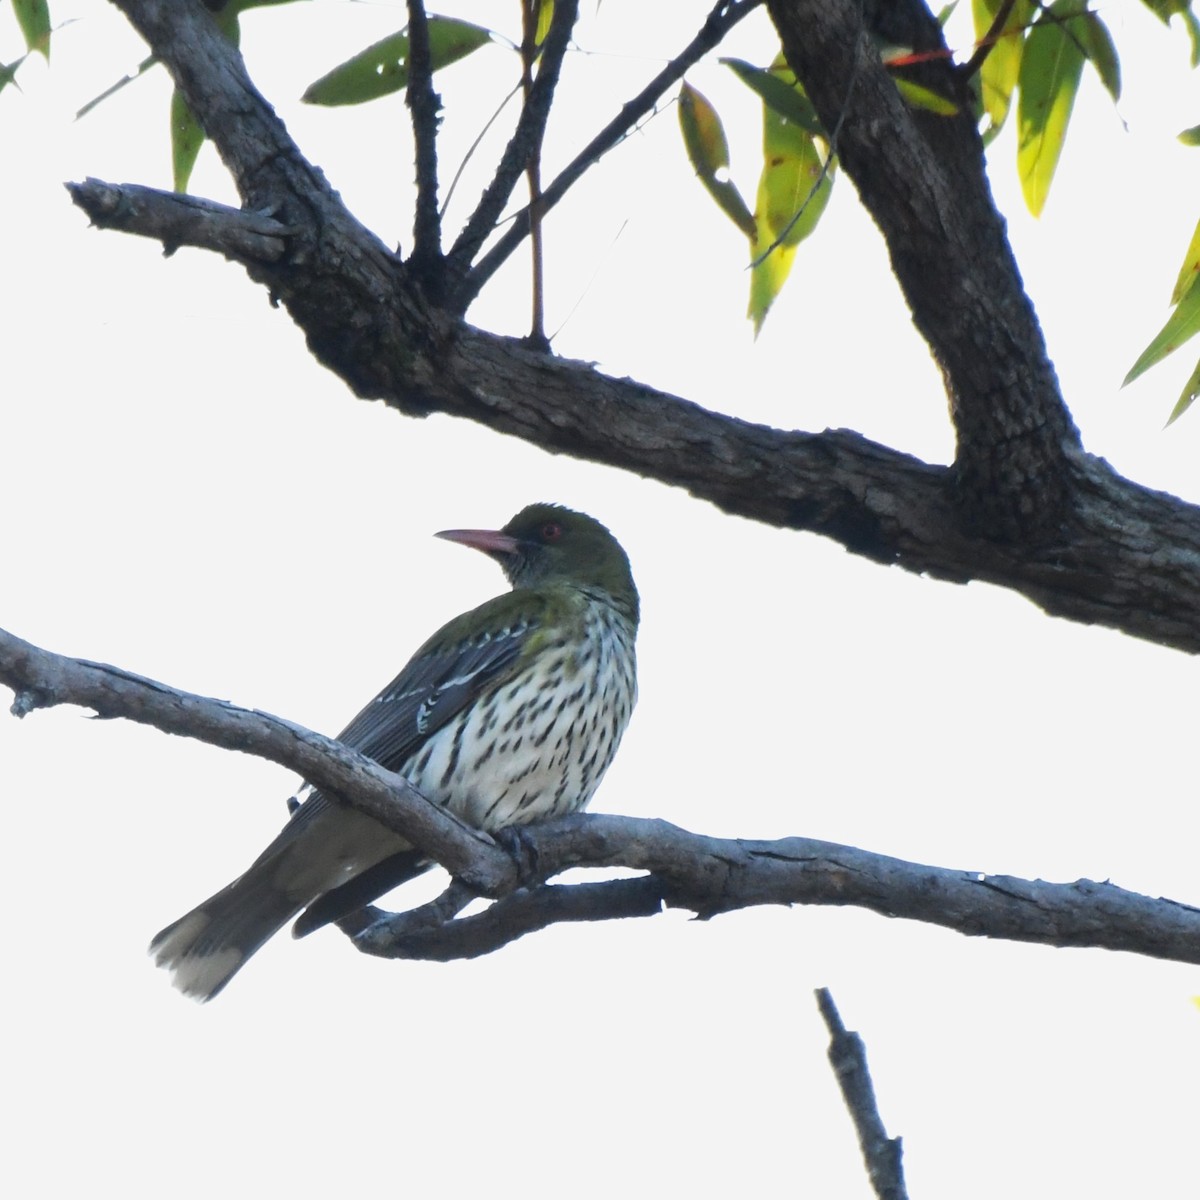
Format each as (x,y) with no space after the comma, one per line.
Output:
(423,106)
(882,1155)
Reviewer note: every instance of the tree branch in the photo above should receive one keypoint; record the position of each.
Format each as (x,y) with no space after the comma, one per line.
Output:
(685,870)
(1107,550)
(41,679)
(721,20)
(177,220)
(848,1057)
(423,106)
(922,177)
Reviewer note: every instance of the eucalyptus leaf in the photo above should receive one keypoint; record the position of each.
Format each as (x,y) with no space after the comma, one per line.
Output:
(33,16)
(708,152)
(382,68)
(1182,324)
(778,89)
(1051,66)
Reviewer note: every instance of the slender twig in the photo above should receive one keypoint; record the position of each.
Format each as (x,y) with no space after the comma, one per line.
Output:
(533,173)
(848,1057)
(398,935)
(423,106)
(462,166)
(721,20)
(984,46)
(525,142)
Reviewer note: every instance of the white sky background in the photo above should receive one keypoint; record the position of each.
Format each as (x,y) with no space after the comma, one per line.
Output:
(190,496)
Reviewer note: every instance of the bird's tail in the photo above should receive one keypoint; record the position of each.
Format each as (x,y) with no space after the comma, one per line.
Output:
(206,948)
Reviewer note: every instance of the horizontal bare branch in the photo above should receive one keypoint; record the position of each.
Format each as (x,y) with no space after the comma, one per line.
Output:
(686,870)
(42,679)
(178,220)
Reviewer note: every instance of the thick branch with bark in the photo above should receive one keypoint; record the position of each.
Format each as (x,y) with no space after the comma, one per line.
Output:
(704,875)
(1023,507)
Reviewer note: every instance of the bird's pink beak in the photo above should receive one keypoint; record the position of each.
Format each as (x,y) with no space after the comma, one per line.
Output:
(490,541)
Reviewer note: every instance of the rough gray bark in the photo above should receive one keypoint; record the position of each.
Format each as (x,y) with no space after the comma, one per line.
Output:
(1023,506)
(706,875)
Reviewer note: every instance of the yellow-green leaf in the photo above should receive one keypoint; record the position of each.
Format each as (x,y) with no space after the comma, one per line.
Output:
(1189,270)
(778,89)
(926,98)
(187,137)
(382,68)
(1000,69)
(1051,66)
(1191,390)
(33,16)
(708,152)
(1191,137)
(545,16)
(1181,325)
(793,191)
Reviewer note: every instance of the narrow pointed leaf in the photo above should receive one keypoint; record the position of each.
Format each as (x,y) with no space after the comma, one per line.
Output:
(382,68)
(1193,28)
(545,16)
(778,89)
(143,67)
(8,73)
(1101,52)
(187,134)
(1051,66)
(33,16)
(793,191)
(708,152)
(1189,270)
(1000,69)
(187,137)
(1191,390)
(926,98)
(1181,325)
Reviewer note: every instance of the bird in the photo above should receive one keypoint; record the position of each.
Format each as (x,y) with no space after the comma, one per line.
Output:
(509,714)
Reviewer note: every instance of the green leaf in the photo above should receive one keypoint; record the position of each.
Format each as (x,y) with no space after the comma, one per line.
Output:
(143,67)
(1101,52)
(1193,28)
(382,68)
(1191,390)
(780,91)
(187,136)
(8,73)
(1000,70)
(708,152)
(1191,137)
(1050,70)
(1164,10)
(33,16)
(1189,270)
(926,98)
(1181,325)
(545,16)
(792,193)
(946,12)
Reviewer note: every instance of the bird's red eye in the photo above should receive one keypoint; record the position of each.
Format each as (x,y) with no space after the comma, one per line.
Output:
(551,531)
